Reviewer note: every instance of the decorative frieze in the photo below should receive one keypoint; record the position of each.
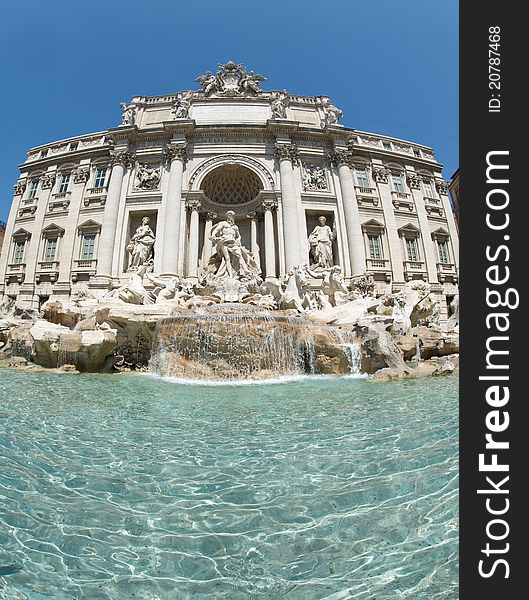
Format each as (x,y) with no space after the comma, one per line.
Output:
(314,178)
(147,177)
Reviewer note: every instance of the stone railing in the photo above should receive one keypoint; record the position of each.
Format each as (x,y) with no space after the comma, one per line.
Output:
(48,265)
(16,267)
(377,263)
(364,190)
(85,263)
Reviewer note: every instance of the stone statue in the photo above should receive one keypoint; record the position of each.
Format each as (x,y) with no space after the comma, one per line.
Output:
(182,105)
(129,113)
(314,178)
(332,114)
(147,177)
(250,82)
(320,241)
(133,292)
(141,245)
(167,290)
(208,83)
(231,79)
(332,285)
(231,258)
(294,290)
(278,104)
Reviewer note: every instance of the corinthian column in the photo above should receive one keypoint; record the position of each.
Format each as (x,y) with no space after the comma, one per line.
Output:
(206,249)
(120,160)
(353,227)
(192,256)
(286,154)
(176,157)
(253,237)
(270,248)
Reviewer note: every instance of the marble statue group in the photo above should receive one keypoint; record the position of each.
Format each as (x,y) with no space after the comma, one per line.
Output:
(232,274)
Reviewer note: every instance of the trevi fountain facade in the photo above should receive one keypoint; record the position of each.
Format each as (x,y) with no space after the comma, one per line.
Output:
(254,210)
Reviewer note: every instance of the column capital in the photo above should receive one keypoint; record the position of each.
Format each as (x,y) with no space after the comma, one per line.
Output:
(81,174)
(121,157)
(251,215)
(341,157)
(286,151)
(441,186)
(20,187)
(414,181)
(193,204)
(175,151)
(380,174)
(210,216)
(47,181)
(269,204)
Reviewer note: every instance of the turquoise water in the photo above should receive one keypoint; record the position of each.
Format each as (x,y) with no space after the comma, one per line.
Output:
(131,487)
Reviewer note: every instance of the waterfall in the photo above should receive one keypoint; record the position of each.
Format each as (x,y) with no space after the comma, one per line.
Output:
(232,341)
(239,341)
(354,354)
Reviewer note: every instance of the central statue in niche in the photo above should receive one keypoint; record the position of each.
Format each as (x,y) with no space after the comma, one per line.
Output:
(231,258)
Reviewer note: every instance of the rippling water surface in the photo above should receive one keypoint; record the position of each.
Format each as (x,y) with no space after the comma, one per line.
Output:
(131,487)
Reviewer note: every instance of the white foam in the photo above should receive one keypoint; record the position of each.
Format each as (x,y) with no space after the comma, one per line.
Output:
(245,382)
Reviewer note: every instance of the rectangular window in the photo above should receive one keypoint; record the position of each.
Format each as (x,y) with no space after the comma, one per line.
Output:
(18,252)
(74,145)
(417,152)
(361,178)
(101,174)
(50,248)
(375,247)
(33,186)
(64,183)
(412,249)
(397,182)
(87,248)
(443,251)
(386,145)
(44,153)
(428,188)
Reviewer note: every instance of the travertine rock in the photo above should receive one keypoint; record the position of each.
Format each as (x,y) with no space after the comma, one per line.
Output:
(55,345)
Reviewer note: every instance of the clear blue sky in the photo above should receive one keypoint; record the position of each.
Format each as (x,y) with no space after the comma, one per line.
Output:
(391,66)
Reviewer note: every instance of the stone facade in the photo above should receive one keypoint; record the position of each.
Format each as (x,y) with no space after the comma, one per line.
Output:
(279,161)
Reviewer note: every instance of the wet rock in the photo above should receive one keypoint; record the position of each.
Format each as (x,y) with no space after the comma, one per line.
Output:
(379,347)
(447,368)
(55,345)
(436,342)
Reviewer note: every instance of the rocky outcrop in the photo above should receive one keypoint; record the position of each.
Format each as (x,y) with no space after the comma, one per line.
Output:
(435,342)
(56,345)
(379,346)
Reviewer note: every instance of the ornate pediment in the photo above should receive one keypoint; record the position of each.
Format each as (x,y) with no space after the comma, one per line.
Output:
(52,230)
